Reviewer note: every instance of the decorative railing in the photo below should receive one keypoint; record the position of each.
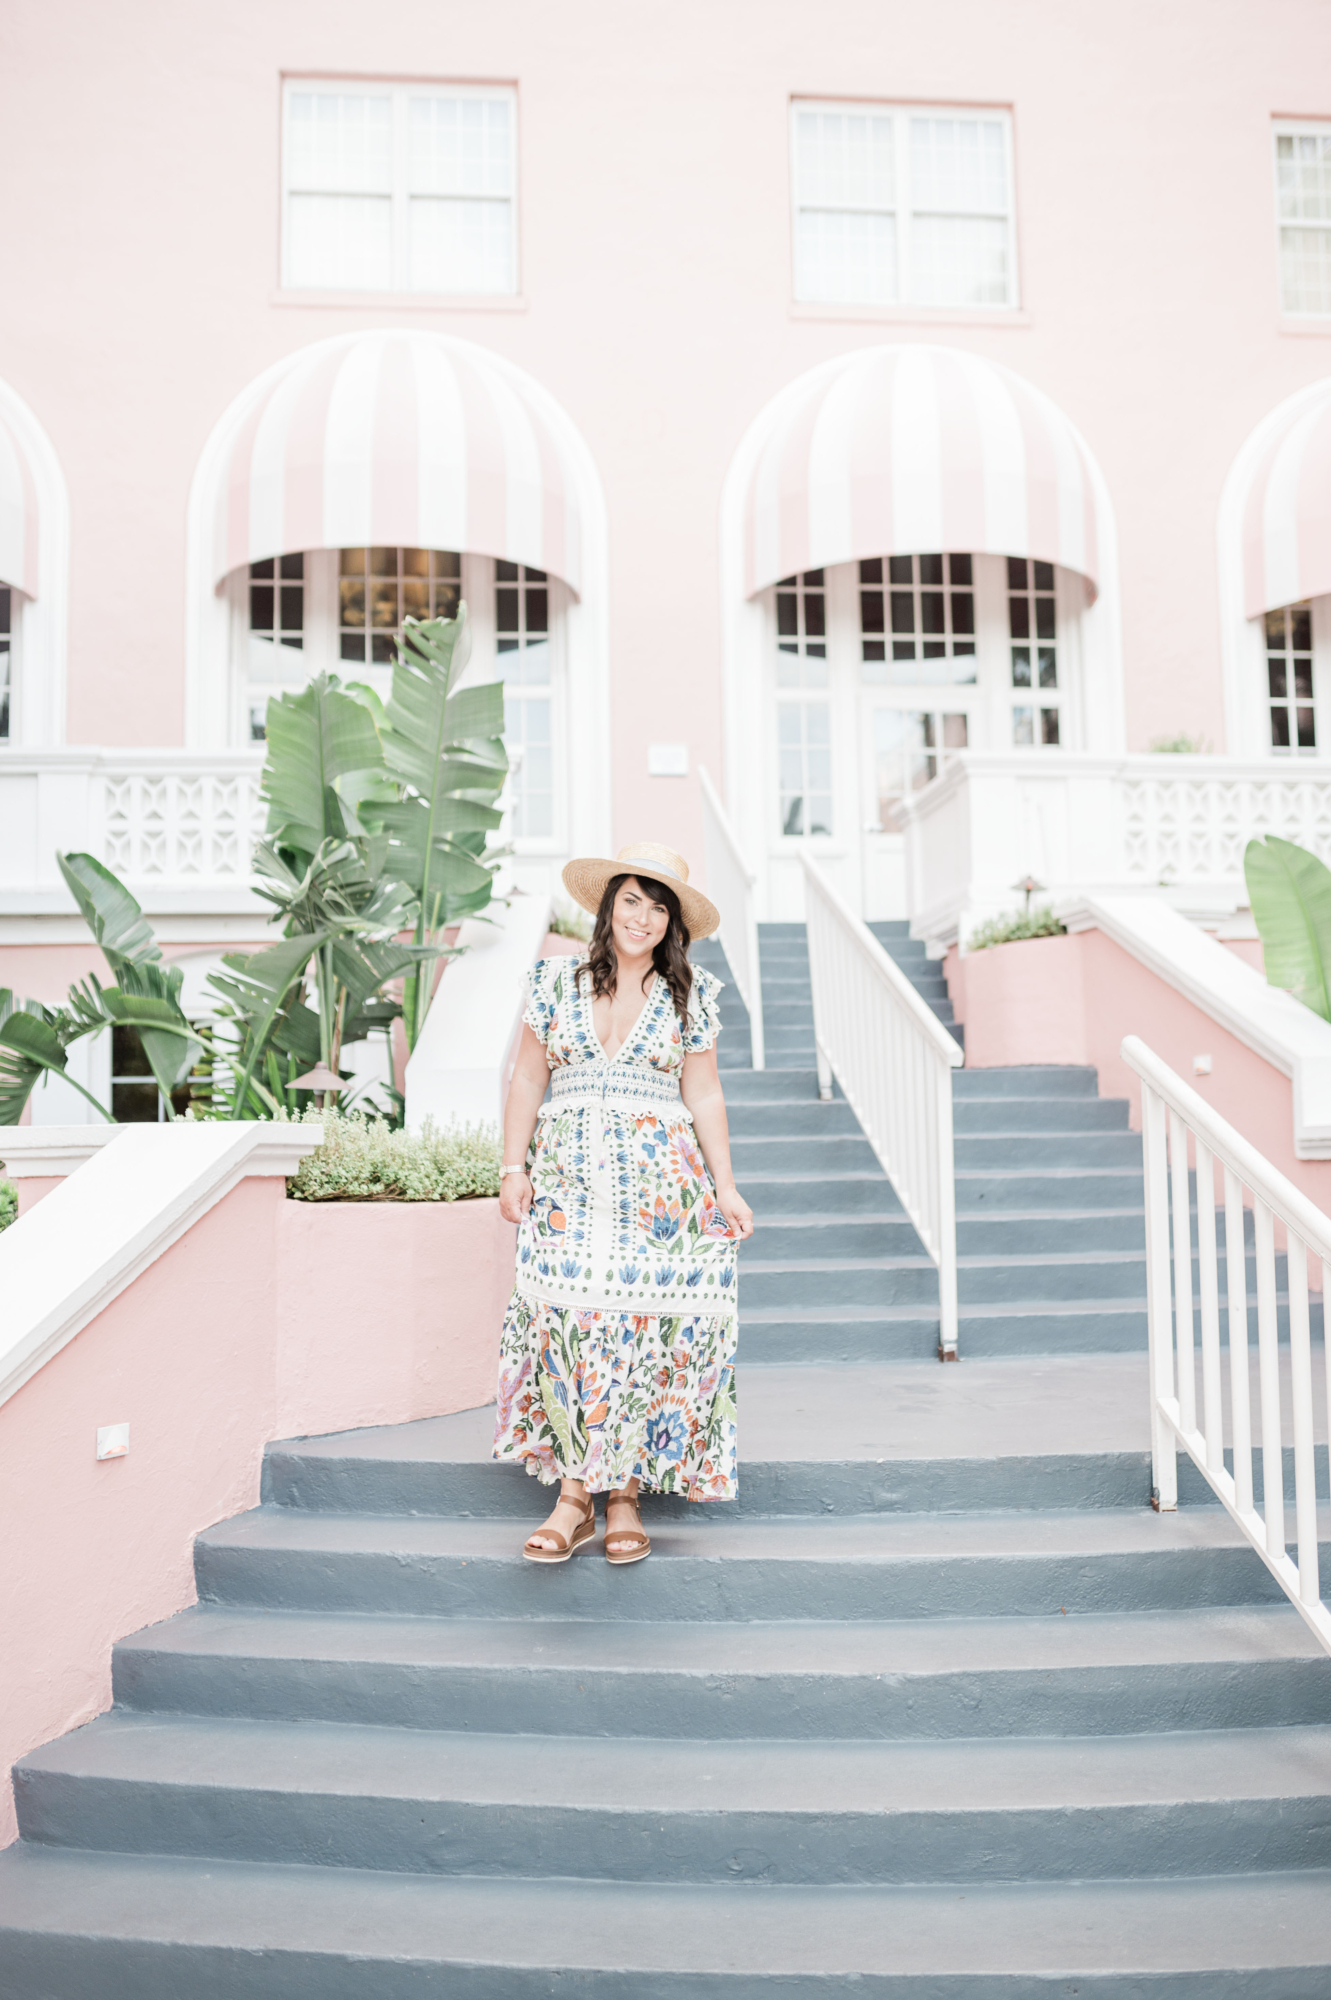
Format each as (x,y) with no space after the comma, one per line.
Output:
(1085,824)
(1188,828)
(894,1061)
(1175,1119)
(730,884)
(169,822)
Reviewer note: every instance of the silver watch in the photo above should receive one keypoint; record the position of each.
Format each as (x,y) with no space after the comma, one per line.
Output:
(511,1170)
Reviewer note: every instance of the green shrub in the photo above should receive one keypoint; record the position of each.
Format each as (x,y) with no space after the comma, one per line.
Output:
(8,1204)
(1010,930)
(1181,745)
(363,1158)
(571,922)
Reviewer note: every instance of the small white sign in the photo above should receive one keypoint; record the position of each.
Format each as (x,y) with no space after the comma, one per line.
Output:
(113,1441)
(1201,1065)
(667,760)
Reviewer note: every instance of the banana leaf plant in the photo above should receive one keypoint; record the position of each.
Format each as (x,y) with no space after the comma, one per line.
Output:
(1290,893)
(378,818)
(443,747)
(35,1039)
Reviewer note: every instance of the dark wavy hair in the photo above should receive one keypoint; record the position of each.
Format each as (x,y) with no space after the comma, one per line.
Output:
(671,956)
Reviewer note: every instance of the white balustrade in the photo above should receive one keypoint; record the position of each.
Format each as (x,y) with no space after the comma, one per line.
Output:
(1177,1124)
(1083,824)
(179,826)
(894,1061)
(730,884)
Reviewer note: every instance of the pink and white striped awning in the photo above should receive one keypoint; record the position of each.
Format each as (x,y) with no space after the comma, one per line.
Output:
(1287,508)
(398,438)
(18,515)
(902,450)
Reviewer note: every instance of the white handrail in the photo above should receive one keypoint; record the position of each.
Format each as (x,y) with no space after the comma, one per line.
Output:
(894,1060)
(1169,1102)
(730,884)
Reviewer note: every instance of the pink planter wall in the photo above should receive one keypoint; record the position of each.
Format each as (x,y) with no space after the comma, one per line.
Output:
(270,1318)
(1073,999)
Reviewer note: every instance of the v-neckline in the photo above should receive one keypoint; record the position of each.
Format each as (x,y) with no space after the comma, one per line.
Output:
(588,1003)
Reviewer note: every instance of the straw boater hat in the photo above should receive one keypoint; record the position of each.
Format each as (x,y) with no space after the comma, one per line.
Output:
(586,882)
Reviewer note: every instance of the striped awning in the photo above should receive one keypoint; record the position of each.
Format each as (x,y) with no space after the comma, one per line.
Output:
(1287,508)
(398,438)
(18,515)
(901,450)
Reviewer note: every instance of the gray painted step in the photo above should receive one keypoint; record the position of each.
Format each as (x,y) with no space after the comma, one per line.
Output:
(1227,1668)
(74,1923)
(846,1568)
(439,1803)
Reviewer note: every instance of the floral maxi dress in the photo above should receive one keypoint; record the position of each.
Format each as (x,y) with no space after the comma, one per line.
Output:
(617,1353)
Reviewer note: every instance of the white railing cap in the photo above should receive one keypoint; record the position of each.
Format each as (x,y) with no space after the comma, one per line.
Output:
(65,1260)
(1230,1147)
(48,1152)
(886,968)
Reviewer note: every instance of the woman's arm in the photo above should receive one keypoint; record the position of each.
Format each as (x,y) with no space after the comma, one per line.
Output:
(531,1074)
(700,1087)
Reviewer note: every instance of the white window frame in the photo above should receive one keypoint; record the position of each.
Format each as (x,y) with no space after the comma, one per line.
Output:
(321,653)
(400,96)
(902,210)
(1294,128)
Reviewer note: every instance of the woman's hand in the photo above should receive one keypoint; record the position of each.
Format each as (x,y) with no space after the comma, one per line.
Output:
(514,1196)
(735,1210)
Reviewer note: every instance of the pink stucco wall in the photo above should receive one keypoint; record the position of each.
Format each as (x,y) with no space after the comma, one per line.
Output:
(655,274)
(1073,999)
(270,1318)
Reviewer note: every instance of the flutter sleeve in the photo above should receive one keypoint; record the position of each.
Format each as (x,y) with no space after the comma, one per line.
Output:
(703,1024)
(542,1010)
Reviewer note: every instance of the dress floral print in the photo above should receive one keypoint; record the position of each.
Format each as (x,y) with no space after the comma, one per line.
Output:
(617,1354)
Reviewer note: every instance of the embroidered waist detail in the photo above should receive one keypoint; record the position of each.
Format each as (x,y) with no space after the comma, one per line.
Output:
(604,1083)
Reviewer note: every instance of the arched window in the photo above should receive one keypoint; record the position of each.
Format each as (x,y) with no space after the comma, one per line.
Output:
(918,559)
(376,477)
(1275,582)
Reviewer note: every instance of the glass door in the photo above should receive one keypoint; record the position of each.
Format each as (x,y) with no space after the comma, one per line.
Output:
(919,700)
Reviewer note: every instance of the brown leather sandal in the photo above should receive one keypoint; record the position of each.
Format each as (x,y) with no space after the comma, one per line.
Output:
(639,1544)
(584,1532)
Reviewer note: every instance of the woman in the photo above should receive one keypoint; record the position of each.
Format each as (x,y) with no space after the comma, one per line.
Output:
(616,1365)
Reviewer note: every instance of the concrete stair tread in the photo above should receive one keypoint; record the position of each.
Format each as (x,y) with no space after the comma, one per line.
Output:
(692,1775)
(836,1650)
(867,1541)
(358,1923)
(907,1410)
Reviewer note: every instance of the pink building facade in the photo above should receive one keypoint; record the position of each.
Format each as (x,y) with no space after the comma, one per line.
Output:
(813,397)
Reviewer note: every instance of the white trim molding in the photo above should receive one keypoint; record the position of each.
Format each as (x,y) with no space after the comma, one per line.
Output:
(37,715)
(50,1152)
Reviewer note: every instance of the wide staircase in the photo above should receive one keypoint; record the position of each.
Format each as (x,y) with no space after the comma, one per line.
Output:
(939,1707)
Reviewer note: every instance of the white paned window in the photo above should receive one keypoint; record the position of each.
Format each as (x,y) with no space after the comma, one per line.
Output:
(6,658)
(276,604)
(1303,211)
(801,630)
(337,611)
(1033,652)
(522,641)
(378,589)
(1289,678)
(896,205)
(924,618)
(804,728)
(804,766)
(401,189)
